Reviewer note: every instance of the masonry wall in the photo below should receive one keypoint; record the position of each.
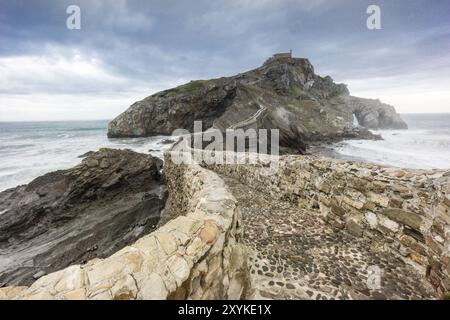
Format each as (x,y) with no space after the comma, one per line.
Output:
(198,252)
(407,211)
(197,255)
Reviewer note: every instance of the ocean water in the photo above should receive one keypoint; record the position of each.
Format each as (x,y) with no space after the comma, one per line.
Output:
(30,149)
(425,145)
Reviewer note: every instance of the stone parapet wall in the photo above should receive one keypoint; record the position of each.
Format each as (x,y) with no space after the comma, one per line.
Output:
(196,255)
(198,252)
(407,211)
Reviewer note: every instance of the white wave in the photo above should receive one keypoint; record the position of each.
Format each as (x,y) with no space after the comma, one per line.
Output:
(40,156)
(420,149)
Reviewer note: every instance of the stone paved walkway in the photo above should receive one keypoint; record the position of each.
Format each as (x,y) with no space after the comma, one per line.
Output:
(295,255)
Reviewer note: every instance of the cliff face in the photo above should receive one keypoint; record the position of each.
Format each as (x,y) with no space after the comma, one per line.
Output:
(282,93)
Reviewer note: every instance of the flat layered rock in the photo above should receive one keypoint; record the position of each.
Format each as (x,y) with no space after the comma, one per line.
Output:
(109,200)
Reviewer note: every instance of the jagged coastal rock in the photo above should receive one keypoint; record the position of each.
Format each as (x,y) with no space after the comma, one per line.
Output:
(283,93)
(70,216)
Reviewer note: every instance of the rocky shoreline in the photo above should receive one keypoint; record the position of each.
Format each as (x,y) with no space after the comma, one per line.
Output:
(109,200)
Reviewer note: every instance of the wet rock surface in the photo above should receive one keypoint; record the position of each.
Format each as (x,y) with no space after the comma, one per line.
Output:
(70,216)
(293,254)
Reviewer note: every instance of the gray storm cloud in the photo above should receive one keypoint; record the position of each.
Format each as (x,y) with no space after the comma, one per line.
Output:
(134,48)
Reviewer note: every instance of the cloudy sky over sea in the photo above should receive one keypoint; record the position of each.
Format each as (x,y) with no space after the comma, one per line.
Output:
(127,50)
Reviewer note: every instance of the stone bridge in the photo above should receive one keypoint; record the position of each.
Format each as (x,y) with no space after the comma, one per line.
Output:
(312,229)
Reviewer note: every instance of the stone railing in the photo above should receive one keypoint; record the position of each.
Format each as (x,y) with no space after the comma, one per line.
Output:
(407,211)
(196,255)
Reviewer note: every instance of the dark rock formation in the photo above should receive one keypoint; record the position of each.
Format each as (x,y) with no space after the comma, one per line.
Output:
(70,216)
(373,114)
(284,94)
(175,108)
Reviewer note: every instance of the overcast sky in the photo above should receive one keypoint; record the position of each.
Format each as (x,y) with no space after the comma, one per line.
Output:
(127,50)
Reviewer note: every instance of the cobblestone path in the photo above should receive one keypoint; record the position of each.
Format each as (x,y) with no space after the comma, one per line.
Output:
(295,255)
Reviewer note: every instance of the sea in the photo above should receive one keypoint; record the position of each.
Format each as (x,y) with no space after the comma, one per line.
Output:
(425,145)
(30,149)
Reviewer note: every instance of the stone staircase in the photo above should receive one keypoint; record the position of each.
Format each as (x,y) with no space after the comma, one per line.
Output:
(250,122)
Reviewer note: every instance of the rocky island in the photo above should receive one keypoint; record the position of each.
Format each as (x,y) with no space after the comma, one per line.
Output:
(284,93)
(315,229)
